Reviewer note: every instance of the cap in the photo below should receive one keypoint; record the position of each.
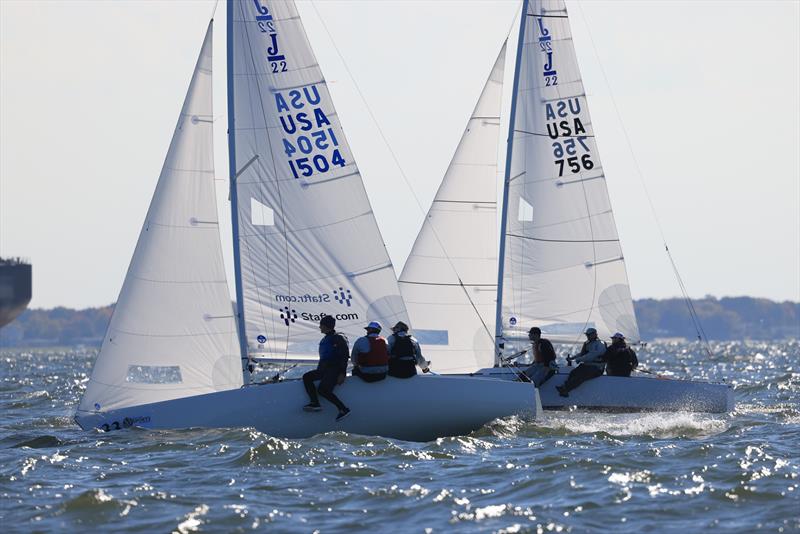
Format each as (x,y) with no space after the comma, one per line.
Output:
(327,320)
(618,335)
(590,331)
(374,325)
(535,329)
(400,326)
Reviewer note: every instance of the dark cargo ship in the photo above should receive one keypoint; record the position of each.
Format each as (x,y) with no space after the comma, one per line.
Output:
(15,288)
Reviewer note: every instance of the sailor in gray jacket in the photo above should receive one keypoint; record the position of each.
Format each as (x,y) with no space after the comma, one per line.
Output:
(591,363)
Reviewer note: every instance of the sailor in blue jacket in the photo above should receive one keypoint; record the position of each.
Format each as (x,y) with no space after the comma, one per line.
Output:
(333,355)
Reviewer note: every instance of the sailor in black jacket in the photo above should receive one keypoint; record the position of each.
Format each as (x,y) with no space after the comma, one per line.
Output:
(620,358)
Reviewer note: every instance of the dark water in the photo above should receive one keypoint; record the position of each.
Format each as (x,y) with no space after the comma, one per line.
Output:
(567,472)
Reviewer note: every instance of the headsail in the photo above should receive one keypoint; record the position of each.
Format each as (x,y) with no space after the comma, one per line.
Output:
(449,281)
(173,332)
(307,241)
(562,266)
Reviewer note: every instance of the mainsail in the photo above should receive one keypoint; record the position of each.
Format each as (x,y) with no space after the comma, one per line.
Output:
(172,333)
(562,265)
(305,238)
(449,281)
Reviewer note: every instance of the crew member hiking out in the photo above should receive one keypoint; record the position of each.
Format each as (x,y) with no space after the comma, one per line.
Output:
(370,355)
(591,363)
(404,353)
(620,358)
(544,358)
(330,370)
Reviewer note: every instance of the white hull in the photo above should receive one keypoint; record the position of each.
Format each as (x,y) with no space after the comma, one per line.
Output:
(634,393)
(421,408)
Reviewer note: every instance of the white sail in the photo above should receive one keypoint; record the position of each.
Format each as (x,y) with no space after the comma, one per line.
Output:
(305,237)
(449,281)
(563,268)
(172,333)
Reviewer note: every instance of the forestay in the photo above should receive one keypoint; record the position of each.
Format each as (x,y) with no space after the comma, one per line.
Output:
(305,238)
(172,333)
(562,267)
(449,281)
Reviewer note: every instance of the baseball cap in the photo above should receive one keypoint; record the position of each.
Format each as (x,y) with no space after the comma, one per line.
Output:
(374,325)
(590,331)
(618,335)
(327,320)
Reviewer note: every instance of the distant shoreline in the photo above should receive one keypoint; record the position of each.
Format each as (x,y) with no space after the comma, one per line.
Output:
(723,319)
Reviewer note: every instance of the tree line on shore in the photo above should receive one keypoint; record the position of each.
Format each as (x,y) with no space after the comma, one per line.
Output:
(728,318)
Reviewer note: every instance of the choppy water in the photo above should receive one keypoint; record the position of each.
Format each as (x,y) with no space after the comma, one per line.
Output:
(567,472)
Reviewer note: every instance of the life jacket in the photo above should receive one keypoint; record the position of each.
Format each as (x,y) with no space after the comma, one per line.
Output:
(621,358)
(546,352)
(403,348)
(377,355)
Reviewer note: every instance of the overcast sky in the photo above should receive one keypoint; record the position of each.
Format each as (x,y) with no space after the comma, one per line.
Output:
(708,93)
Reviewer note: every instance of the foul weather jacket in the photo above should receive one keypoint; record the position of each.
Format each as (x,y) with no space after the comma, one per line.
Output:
(592,354)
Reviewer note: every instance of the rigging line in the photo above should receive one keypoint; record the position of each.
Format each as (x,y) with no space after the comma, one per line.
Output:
(391,152)
(214,11)
(368,108)
(689,304)
(701,335)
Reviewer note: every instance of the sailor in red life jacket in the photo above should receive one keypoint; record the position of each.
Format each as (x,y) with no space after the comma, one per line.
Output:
(404,353)
(370,355)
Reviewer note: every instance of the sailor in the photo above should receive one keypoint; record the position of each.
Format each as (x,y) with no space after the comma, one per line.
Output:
(370,355)
(591,363)
(330,370)
(620,358)
(404,353)
(544,358)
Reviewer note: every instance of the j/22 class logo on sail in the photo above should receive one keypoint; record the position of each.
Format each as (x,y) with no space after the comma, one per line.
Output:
(275,59)
(546,47)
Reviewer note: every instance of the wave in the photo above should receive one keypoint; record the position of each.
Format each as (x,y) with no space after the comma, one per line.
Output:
(654,425)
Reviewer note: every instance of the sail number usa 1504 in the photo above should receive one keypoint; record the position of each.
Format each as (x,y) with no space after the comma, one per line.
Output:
(309,140)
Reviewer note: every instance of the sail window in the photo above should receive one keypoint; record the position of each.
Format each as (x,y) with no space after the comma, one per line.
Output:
(261,215)
(154,374)
(525,211)
(432,337)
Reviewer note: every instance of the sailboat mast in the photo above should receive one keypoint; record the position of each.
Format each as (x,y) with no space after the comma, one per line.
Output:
(506,181)
(237,265)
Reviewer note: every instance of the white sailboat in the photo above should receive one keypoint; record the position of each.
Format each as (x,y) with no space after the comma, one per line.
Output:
(560,264)
(306,244)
